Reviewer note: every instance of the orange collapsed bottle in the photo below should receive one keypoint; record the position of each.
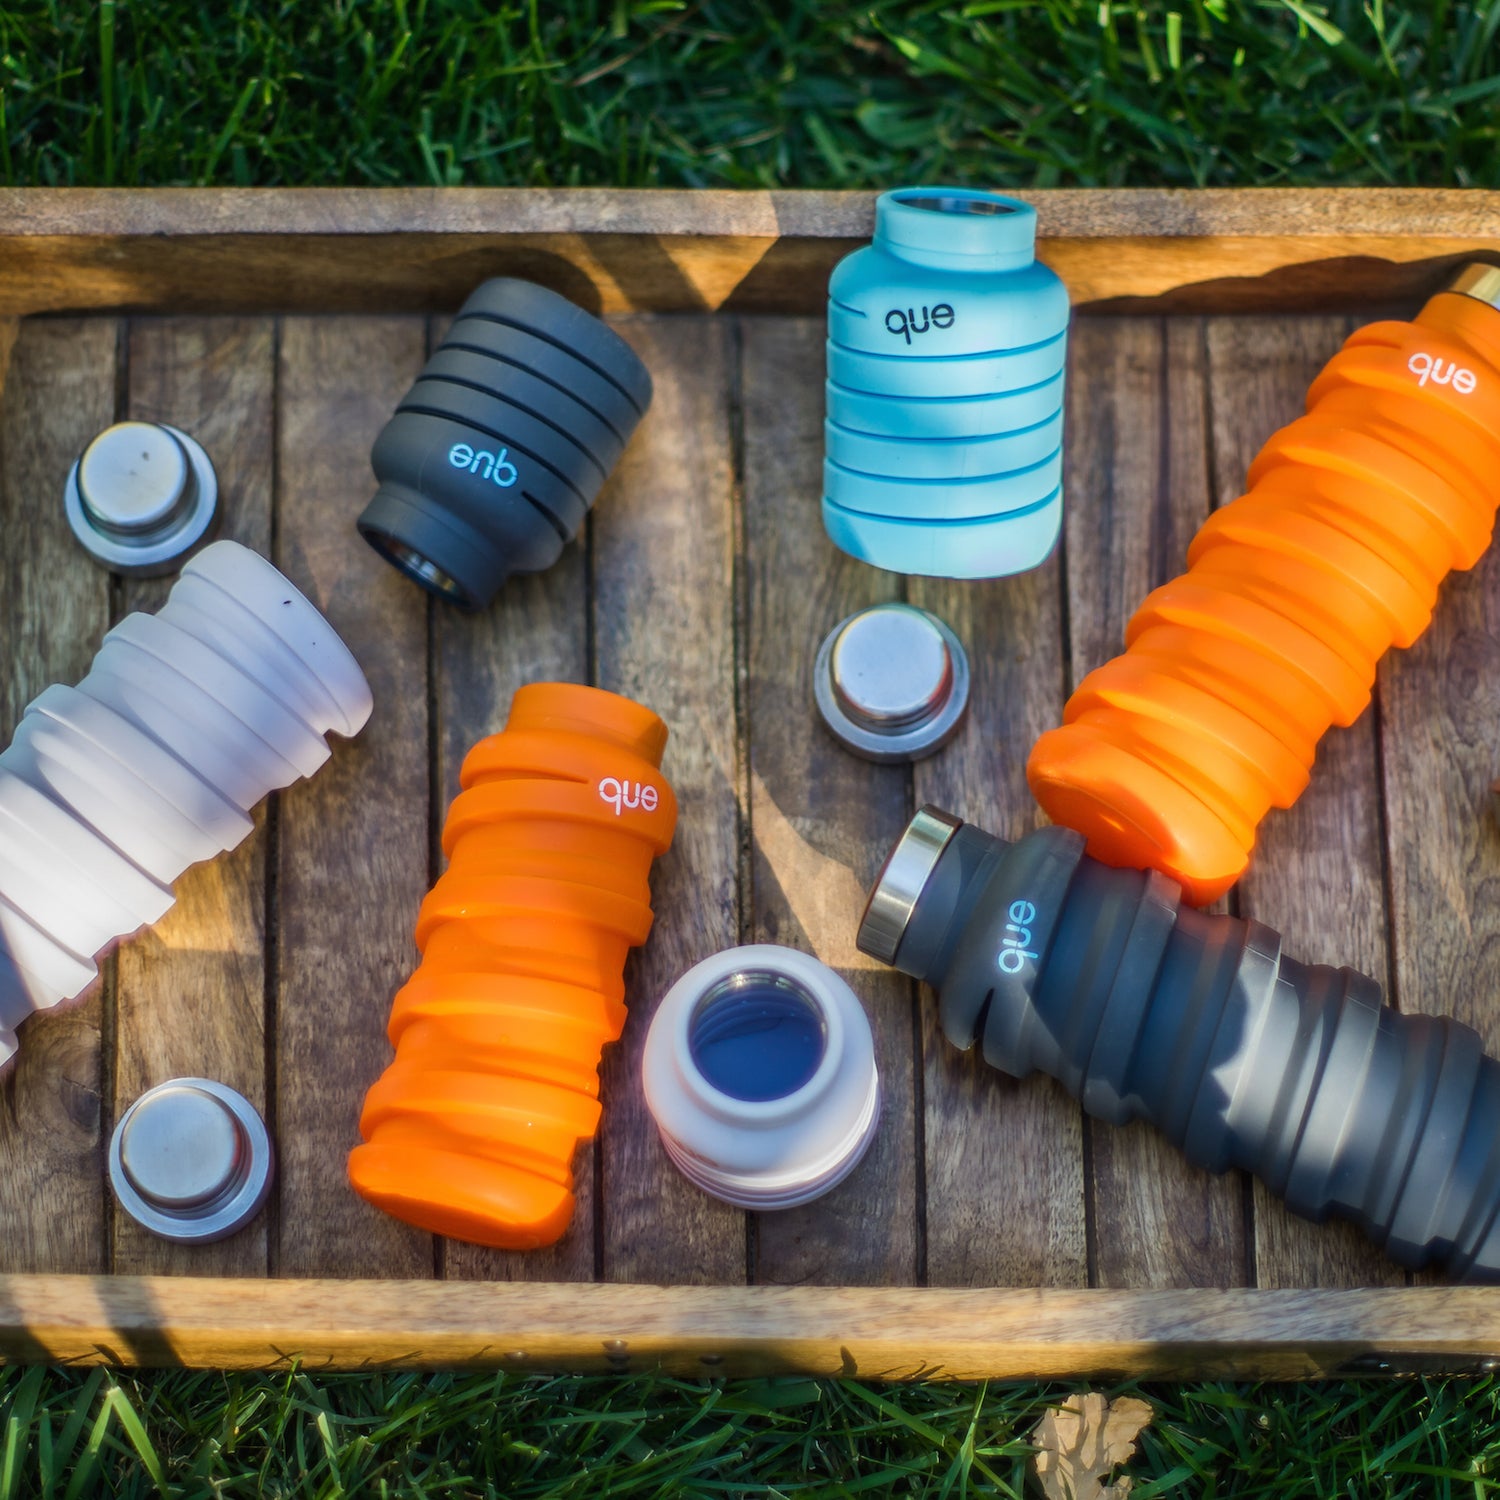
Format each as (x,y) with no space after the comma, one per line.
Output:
(471,1130)
(1171,754)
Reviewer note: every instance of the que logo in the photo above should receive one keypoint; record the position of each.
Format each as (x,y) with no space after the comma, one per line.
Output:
(1441,372)
(622,794)
(487,465)
(905,323)
(1015,947)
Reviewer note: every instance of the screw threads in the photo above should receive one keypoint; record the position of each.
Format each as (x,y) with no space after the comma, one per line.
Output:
(1171,754)
(471,1130)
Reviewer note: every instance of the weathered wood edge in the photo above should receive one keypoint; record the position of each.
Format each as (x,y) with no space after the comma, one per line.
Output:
(1073,213)
(421,249)
(869,1333)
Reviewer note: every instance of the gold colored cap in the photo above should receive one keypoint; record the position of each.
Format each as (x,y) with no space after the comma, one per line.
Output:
(1478,281)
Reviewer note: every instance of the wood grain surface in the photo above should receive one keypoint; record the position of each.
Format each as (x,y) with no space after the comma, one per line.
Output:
(664,629)
(1440,704)
(872,1333)
(822,819)
(667,250)
(60,388)
(1137,487)
(191,992)
(702,586)
(353,841)
(1003,1159)
(1317,876)
(1439,707)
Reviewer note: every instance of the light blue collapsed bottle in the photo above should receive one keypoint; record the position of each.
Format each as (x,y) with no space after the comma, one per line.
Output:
(946,348)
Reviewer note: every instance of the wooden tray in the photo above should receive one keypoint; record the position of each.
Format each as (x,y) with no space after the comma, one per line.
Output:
(992,1230)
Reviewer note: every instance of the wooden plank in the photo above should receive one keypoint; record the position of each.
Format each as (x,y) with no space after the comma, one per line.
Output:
(889,1333)
(1406,214)
(58,391)
(1439,706)
(664,624)
(1137,489)
(1003,1159)
(535,631)
(353,841)
(822,819)
(358,249)
(190,993)
(1317,875)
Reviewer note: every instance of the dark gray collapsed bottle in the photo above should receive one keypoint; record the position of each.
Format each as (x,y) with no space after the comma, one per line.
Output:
(1146,1009)
(497,451)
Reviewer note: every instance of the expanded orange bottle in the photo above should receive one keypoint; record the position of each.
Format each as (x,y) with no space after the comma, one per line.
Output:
(471,1131)
(1170,755)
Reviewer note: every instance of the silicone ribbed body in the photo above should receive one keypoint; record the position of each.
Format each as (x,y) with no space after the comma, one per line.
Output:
(946,348)
(1146,1009)
(496,453)
(1171,754)
(472,1129)
(111,789)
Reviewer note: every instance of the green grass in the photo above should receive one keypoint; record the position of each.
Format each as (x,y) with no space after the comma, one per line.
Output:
(72,1434)
(749,92)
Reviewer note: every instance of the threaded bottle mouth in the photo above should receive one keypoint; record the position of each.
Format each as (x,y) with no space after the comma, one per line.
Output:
(418,568)
(759,1070)
(955,203)
(767,1194)
(757,1035)
(957,228)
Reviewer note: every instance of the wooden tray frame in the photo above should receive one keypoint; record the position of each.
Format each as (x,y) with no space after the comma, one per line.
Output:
(340,250)
(668,250)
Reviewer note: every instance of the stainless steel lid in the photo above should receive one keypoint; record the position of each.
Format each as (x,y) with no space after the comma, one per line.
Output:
(191,1160)
(892,682)
(902,879)
(141,497)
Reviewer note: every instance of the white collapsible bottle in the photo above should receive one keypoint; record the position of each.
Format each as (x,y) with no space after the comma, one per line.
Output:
(112,788)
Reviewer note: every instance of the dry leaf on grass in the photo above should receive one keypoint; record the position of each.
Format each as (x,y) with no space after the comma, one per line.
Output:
(1079,1442)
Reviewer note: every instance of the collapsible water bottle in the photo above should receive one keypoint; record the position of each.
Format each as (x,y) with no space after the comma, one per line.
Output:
(1171,754)
(500,447)
(1198,1023)
(471,1130)
(111,789)
(946,347)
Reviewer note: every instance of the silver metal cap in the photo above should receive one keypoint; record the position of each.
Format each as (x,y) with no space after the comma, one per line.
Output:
(191,1160)
(141,497)
(892,682)
(902,879)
